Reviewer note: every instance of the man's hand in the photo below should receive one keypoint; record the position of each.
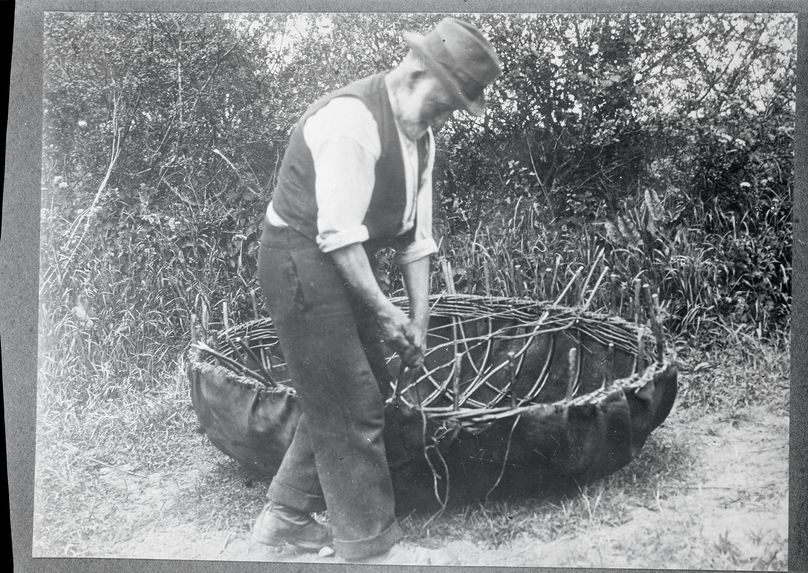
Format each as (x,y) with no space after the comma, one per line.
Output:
(416,359)
(402,333)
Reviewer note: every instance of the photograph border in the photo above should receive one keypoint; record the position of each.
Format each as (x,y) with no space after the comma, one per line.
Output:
(19,251)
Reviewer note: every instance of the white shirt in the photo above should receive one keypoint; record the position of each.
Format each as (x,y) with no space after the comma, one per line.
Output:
(344,142)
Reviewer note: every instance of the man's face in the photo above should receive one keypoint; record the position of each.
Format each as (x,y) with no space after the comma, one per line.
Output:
(428,103)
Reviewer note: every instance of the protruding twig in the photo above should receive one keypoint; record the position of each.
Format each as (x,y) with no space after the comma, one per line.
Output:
(193,328)
(450,288)
(545,289)
(487,278)
(660,349)
(402,370)
(646,291)
(564,292)
(512,373)
(596,287)
(254,304)
(589,275)
(653,317)
(572,369)
(638,360)
(655,299)
(613,294)
(555,273)
(233,347)
(609,366)
(249,352)
(225,315)
(204,317)
(266,360)
(227,361)
(458,359)
(446,266)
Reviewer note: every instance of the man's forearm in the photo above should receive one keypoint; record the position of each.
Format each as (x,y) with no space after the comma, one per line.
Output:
(407,336)
(416,281)
(354,266)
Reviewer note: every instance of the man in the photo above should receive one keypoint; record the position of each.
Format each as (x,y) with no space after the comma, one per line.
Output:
(356,176)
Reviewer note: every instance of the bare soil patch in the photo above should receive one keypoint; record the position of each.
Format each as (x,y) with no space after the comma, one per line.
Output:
(726,508)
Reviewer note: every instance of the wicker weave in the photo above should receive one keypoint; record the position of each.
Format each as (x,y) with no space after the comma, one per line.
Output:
(512,391)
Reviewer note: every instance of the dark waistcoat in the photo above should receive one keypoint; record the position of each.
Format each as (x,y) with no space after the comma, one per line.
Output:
(295,199)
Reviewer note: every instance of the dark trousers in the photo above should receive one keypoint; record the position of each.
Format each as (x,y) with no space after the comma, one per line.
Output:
(332,348)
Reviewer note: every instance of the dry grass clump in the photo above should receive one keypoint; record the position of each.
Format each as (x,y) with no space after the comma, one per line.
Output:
(742,371)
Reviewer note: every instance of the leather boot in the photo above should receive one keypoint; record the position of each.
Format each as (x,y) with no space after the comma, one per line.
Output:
(277,525)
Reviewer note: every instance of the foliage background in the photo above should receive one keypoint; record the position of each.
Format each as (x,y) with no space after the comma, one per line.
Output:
(666,141)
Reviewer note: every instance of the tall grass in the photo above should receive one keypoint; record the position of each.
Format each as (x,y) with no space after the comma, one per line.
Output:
(738,277)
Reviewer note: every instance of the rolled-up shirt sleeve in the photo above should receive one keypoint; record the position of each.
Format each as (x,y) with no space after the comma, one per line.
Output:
(344,143)
(423,243)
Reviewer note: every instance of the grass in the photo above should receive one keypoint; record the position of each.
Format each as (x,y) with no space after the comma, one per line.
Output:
(565,511)
(97,433)
(742,371)
(114,410)
(87,424)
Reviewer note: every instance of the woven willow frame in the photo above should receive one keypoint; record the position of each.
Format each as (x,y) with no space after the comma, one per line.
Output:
(450,400)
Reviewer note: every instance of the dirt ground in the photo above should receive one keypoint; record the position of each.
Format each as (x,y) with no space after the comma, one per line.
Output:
(730,512)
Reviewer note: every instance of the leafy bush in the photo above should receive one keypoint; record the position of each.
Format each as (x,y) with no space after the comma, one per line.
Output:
(658,146)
